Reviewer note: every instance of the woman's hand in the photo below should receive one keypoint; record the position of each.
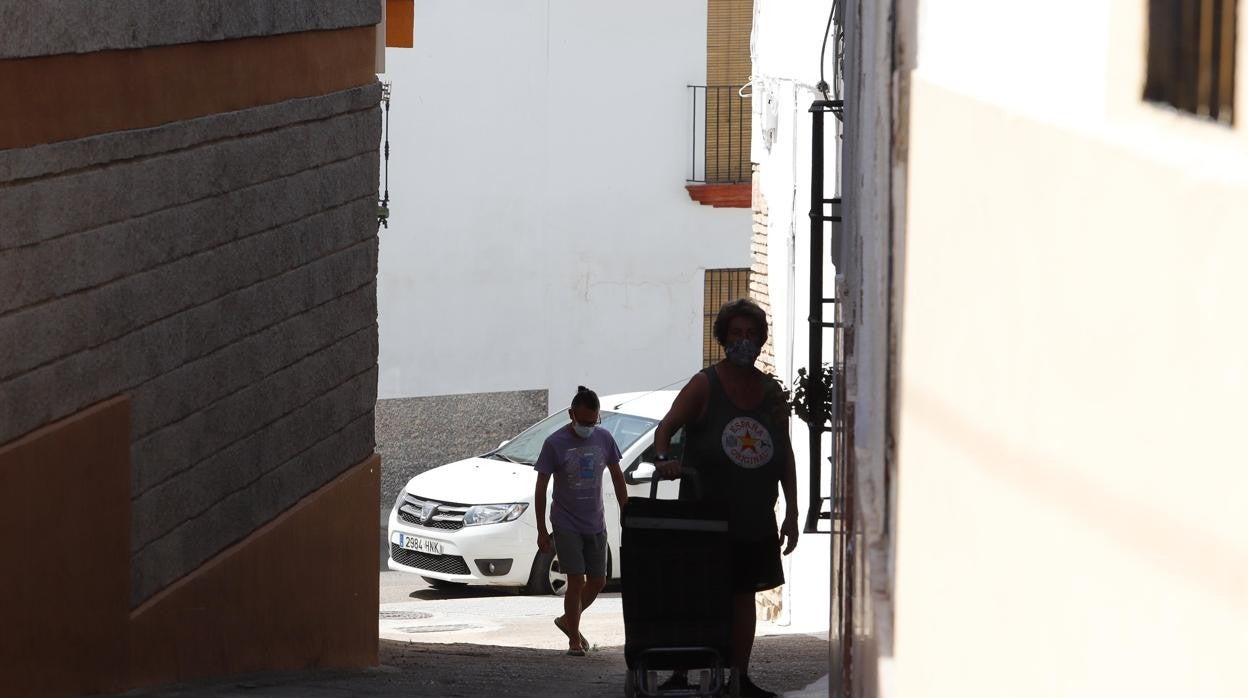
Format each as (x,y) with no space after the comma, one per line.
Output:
(669,469)
(788,532)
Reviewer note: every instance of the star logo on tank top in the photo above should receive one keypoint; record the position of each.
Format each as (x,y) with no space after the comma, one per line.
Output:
(747,443)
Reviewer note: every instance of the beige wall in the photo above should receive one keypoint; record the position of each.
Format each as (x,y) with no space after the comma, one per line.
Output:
(1071,516)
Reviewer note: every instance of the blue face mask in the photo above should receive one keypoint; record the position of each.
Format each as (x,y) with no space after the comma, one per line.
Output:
(743,352)
(582,431)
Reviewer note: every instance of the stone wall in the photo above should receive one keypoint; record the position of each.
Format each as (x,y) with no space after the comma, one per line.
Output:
(416,434)
(218,270)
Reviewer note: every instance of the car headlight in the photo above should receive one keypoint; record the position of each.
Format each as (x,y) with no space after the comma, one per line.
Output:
(493,513)
(398,501)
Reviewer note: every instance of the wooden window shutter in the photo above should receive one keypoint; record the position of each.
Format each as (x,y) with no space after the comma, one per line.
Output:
(719,287)
(1191,56)
(728,67)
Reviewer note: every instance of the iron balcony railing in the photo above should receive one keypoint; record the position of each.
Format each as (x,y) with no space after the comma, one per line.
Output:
(719,149)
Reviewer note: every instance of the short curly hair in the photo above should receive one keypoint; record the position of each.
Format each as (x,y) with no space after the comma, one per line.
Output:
(741,307)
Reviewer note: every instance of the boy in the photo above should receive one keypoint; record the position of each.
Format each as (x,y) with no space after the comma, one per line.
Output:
(576,456)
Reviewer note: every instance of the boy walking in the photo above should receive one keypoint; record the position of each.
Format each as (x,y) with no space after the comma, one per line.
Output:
(576,456)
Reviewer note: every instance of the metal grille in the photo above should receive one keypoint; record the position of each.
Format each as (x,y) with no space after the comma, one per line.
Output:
(446,516)
(720,286)
(446,564)
(721,124)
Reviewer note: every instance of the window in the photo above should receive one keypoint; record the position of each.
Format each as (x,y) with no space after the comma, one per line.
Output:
(675,451)
(720,286)
(1191,56)
(625,428)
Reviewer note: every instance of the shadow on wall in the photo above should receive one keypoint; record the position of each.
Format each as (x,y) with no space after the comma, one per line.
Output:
(416,434)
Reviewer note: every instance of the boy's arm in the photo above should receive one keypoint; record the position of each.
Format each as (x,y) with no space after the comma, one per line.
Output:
(539,510)
(617,479)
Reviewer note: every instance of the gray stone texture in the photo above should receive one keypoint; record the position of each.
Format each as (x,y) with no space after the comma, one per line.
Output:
(416,434)
(78,201)
(222,273)
(47,27)
(187,443)
(116,252)
(198,385)
(137,359)
(167,505)
(123,306)
(229,520)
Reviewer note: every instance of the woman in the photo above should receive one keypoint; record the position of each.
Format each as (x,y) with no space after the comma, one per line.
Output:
(736,437)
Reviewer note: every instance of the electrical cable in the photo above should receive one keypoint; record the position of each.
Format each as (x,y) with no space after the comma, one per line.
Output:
(823,84)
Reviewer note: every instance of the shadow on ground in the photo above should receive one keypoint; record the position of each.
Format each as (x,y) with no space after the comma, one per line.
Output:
(781,663)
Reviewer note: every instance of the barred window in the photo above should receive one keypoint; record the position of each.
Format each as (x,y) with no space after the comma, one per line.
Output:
(1191,56)
(720,286)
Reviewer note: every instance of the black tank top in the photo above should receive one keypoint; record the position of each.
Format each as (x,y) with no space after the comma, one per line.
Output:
(738,455)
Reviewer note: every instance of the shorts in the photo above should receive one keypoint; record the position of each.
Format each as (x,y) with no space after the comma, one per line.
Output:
(581,553)
(756,564)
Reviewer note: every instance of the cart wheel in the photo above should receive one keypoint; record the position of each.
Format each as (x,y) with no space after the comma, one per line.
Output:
(734,684)
(704,682)
(630,684)
(652,682)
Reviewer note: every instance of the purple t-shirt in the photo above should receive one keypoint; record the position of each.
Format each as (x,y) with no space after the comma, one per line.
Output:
(576,466)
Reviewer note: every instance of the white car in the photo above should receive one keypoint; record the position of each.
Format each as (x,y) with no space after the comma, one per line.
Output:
(472,521)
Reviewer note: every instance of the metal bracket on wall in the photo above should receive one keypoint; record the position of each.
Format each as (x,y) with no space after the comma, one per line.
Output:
(383,204)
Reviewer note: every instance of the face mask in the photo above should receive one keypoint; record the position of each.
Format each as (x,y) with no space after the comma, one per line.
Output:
(582,431)
(743,352)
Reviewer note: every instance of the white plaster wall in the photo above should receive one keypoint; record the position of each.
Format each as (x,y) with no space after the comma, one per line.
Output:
(786,43)
(1070,513)
(541,235)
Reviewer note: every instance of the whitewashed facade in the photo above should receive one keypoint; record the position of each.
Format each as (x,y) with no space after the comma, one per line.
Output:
(541,236)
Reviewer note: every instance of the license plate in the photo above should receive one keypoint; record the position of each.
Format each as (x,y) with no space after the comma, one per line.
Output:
(420,545)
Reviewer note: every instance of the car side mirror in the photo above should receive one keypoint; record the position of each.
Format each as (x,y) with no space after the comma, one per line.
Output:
(642,472)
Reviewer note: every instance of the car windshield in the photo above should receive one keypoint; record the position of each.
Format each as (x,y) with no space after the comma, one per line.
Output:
(626,428)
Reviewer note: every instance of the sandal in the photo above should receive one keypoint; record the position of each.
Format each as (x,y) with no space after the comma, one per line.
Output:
(584,643)
(576,652)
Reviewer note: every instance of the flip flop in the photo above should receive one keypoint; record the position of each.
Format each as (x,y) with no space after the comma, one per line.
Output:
(576,653)
(559,624)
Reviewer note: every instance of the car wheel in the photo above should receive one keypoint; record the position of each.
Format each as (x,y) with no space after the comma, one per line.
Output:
(443,584)
(547,576)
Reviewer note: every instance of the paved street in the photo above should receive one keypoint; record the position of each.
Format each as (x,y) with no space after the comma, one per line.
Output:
(483,642)
(479,641)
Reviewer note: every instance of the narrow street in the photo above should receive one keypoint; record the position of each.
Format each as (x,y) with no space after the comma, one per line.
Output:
(791,664)
(478,641)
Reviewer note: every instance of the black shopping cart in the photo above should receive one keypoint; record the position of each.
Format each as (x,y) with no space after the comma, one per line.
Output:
(675,558)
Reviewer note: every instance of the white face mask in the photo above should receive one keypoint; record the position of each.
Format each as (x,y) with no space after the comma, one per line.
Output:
(582,431)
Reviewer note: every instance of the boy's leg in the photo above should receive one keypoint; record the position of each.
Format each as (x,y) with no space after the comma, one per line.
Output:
(595,553)
(572,609)
(570,548)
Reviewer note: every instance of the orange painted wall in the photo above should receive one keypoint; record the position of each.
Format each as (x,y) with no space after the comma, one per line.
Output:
(399,23)
(300,592)
(55,98)
(65,542)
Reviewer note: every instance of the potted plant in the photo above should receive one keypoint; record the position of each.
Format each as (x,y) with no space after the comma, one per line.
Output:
(801,399)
